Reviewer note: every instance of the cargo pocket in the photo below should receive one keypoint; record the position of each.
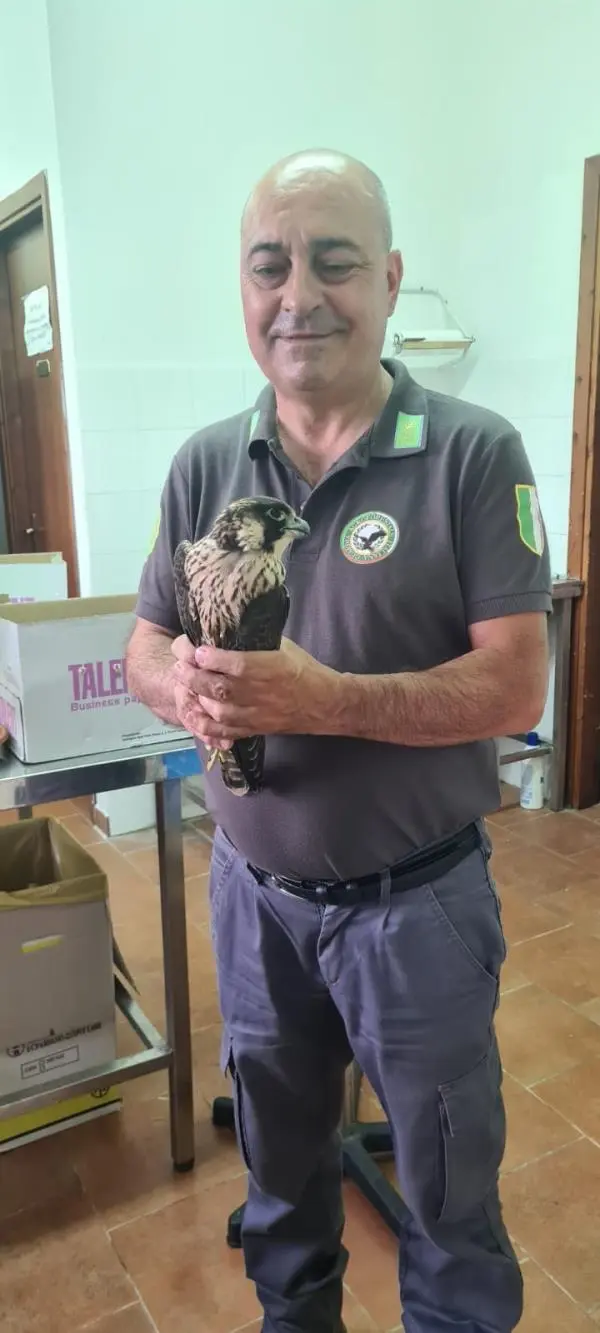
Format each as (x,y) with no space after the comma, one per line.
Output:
(473,1130)
(222,861)
(228,1066)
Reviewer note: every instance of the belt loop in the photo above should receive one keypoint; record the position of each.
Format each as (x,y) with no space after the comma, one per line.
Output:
(385,893)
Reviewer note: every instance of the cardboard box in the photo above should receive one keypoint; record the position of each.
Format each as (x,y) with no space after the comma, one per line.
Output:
(57,1004)
(39,577)
(63,680)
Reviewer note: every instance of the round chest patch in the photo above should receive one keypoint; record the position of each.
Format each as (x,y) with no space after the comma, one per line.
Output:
(369,537)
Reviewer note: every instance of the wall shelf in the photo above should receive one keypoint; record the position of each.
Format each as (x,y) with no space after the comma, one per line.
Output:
(447,338)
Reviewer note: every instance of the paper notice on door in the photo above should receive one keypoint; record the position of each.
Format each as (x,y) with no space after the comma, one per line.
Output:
(37,329)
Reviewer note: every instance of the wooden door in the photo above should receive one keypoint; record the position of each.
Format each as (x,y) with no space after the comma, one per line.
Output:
(37,482)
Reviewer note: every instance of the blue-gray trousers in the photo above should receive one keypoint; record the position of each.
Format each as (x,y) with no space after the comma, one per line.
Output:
(409,987)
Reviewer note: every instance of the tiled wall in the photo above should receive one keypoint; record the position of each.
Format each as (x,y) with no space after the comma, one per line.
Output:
(134,419)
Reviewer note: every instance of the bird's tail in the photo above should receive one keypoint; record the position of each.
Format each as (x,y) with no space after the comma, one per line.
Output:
(241,766)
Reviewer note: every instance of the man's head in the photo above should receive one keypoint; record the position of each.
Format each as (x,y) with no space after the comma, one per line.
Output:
(319,276)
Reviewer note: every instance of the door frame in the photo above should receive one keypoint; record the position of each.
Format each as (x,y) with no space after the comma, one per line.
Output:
(583,769)
(32,202)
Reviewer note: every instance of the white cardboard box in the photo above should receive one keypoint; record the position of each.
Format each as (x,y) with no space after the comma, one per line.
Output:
(57,1005)
(39,577)
(63,680)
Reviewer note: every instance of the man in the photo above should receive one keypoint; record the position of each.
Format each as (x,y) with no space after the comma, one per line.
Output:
(417,634)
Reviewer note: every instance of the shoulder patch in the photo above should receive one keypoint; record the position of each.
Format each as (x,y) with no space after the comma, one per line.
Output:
(529,518)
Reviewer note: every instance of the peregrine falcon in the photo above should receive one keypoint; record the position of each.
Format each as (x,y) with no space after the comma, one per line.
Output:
(231,594)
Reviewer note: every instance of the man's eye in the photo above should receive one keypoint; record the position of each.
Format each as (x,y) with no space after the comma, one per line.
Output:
(268,270)
(336,271)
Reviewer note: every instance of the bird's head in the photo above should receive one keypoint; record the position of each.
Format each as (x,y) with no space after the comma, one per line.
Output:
(259,524)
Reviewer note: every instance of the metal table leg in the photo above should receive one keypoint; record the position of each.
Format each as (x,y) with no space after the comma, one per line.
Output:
(177,996)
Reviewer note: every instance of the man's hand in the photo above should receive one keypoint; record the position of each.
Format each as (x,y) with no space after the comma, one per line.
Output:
(222,696)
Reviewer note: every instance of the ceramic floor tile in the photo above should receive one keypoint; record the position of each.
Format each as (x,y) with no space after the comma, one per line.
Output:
(372,1273)
(196,894)
(196,857)
(580,903)
(124,1161)
(591,1010)
(58,1270)
(551,1206)
(565,962)
(204,1005)
(564,833)
(209,1082)
(533,1127)
(510,978)
(534,870)
(524,919)
(131,1320)
(187,1277)
(35,1173)
(547,1308)
(82,830)
(119,869)
(541,1036)
(356,1318)
(588,860)
(576,1095)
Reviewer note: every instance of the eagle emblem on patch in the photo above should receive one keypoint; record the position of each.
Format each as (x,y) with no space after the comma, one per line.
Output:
(369,537)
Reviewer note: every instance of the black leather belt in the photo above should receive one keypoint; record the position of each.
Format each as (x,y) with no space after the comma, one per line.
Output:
(411,873)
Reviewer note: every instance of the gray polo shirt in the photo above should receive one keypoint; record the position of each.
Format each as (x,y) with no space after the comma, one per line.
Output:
(427,525)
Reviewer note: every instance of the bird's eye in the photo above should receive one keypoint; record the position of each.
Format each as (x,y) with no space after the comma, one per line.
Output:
(276,513)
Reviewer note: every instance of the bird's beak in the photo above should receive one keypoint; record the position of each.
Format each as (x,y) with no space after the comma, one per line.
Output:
(299,527)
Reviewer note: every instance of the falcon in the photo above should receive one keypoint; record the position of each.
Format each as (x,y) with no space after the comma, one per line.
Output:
(231,593)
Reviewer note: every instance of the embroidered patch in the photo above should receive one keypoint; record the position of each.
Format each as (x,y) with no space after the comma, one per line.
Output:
(409,432)
(529,519)
(369,537)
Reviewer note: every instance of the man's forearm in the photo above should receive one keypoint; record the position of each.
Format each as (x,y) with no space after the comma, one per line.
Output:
(150,673)
(470,698)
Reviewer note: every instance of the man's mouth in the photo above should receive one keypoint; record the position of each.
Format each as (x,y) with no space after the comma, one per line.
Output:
(304,337)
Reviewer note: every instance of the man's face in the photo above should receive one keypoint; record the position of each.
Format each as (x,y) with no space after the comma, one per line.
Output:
(317,285)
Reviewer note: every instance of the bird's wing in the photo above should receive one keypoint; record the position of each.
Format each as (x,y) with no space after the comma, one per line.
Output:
(185,606)
(260,630)
(262,623)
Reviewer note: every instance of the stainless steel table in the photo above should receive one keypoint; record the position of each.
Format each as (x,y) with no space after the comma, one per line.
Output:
(23,786)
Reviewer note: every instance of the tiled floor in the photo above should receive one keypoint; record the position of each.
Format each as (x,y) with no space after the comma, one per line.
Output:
(97,1234)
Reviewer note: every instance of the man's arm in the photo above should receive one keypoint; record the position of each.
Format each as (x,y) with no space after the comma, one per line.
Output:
(498,689)
(150,665)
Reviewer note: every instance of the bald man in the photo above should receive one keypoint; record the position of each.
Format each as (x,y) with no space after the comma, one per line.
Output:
(353,910)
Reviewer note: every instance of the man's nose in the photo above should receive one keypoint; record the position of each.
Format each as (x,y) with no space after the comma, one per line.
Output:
(302,291)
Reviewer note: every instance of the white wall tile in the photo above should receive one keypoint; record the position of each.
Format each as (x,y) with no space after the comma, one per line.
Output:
(116,572)
(120,523)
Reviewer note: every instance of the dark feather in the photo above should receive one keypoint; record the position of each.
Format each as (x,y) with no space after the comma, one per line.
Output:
(260,630)
(185,606)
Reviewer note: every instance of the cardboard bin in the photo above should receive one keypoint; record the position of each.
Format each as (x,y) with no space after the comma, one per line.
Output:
(57,1006)
(63,680)
(36,577)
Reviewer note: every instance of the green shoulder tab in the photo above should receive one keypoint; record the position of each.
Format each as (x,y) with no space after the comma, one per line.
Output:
(408,435)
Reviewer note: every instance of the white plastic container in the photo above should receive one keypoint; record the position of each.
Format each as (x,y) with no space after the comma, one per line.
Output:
(532,792)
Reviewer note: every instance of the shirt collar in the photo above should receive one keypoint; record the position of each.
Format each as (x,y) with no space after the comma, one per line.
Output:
(399,431)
